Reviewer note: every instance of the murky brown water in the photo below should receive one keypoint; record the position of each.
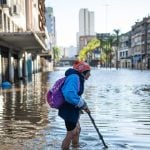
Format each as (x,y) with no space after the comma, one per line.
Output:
(119,101)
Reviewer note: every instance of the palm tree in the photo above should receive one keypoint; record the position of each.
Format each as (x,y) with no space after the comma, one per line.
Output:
(117,31)
(110,48)
(106,50)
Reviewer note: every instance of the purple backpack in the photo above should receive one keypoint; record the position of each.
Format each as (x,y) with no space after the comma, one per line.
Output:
(55,97)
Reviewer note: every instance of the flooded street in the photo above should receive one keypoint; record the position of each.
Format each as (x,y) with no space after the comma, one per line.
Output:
(119,101)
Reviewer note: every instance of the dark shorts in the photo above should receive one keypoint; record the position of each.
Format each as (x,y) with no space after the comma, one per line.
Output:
(70,125)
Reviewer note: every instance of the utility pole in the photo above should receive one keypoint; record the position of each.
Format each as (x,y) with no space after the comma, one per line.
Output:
(106,17)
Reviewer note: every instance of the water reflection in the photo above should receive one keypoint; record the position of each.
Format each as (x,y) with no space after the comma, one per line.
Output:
(22,112)
(119,102)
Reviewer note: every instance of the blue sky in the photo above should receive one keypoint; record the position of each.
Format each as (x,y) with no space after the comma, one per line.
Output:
(109,15)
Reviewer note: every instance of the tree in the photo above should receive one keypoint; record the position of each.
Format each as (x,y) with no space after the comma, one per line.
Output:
(106,50)
(56,54)
(90,47)
(110,42)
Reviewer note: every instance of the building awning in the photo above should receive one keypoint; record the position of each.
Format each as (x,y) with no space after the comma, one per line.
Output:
(22,40)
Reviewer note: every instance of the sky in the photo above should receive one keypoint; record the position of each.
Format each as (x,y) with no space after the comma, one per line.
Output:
(109,15)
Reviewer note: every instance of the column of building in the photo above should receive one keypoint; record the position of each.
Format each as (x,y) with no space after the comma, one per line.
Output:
(21,19)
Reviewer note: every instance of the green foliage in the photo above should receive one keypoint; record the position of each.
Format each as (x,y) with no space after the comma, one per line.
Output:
(116,37)
(56,53)
(91,46)
(106,46)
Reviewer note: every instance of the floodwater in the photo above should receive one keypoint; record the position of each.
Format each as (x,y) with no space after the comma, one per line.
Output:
(119,101)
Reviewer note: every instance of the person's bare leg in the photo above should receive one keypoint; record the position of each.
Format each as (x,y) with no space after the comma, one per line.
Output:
(67,140)
(75,139)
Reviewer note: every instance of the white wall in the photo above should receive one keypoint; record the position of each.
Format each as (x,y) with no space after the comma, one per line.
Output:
(69,51)
(35,13)
(19,17)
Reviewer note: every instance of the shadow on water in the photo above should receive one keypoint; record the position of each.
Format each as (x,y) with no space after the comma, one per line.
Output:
(119,102)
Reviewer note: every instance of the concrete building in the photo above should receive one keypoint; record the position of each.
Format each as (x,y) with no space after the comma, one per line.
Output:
(86,25)
(124,50)
(85,39)
(86,22)
(103,36)
(22,38)
(70,52)
(50,24)
(50,40)
(140,44)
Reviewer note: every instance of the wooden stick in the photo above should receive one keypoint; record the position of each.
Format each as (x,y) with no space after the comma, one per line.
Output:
(99,134)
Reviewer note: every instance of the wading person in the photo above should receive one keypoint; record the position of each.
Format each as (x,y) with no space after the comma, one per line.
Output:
(72,90)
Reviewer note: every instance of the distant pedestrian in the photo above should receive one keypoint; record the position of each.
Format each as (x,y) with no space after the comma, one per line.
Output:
(72,90)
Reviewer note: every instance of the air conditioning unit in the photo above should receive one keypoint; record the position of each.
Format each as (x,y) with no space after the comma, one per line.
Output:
(16,9)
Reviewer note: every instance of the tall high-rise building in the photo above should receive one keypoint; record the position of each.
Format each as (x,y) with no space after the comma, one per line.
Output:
(50,24)
(86,28)
(86,22)
(50,20)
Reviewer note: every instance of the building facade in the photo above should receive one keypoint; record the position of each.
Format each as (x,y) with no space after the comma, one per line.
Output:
(86,26)
(22,38)
(86,22)
(85,39)
(140,44)
(50,24)
(124,51)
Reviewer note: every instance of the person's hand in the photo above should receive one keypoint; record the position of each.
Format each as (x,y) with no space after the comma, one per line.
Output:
(85,108)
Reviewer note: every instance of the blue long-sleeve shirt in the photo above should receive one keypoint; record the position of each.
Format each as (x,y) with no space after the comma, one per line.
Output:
(70,90)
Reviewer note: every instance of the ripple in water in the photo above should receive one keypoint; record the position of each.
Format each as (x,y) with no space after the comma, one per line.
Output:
(119,103)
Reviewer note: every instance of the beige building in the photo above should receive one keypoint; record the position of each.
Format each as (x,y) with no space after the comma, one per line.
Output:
(86,26)
(83,40)
(22,38)
(140,44)
(124,51)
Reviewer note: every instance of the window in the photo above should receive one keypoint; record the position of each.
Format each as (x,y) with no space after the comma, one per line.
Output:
(5,28)
(3,2)
(8,25)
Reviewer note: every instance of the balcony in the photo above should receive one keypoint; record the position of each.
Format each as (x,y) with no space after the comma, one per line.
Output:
(23,40)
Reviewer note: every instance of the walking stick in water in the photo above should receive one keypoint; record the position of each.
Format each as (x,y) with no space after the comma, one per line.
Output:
(99,134)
